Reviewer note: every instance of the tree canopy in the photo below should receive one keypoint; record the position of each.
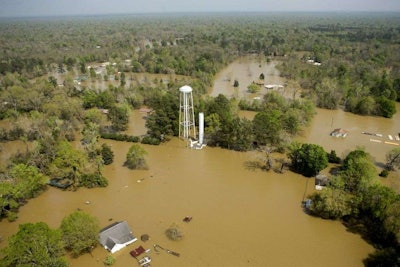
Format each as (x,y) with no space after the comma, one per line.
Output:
(308,159)
(393,159)
(357,197)
(34,245)
(80,232)
(24,182)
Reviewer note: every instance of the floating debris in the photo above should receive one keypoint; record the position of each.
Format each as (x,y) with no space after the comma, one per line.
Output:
(144,178)
(144,237)
(187,219)
(392,143)
(375,134)
(166,250)
(173,253)
(157,246)
(376,141)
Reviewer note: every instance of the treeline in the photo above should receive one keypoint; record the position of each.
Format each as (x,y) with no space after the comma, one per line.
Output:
(358,53)
(356,196)
(276,122)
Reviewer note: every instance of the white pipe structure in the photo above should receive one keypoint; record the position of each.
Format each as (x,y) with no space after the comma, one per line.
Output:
(201,128)
(187,126)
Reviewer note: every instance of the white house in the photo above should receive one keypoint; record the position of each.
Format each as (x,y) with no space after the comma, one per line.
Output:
(116,236)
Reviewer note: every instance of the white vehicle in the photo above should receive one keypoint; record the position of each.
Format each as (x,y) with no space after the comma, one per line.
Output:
(145,262)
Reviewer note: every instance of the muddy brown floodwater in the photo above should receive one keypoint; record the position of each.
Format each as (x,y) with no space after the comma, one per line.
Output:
(246,70)
(241,216)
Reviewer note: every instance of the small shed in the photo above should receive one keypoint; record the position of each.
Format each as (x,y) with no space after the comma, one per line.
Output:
(321,181)
(339,132)
(116,236)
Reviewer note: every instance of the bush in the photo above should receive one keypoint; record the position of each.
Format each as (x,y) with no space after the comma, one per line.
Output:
(107,154)
(384,173)
(174,233)
(120,137)
(333,158)
(135,158)
(253,88)
(91,180)
(110,260)
(151,140)
(11,216)
(15,133)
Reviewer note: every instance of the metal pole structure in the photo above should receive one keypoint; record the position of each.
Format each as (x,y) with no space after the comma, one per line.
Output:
(187,126)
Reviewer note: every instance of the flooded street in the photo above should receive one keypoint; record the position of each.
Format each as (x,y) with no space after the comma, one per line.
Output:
(241,216)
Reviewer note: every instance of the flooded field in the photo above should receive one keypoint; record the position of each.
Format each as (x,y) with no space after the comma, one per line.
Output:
(241,216)
(327,120)
(246,70)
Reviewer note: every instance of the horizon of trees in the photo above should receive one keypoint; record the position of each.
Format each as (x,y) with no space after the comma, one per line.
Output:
(358,54)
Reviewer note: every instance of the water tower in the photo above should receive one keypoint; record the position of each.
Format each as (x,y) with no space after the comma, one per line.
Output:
(187,127)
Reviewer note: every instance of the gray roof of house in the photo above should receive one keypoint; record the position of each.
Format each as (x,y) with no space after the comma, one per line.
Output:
(116,233)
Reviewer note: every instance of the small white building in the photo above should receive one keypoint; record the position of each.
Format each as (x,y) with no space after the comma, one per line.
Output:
(321,181)
(116,236)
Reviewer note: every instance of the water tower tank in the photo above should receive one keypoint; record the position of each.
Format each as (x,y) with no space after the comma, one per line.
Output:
(186,89)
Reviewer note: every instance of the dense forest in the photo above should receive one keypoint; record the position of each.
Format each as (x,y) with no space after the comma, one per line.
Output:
(349,61)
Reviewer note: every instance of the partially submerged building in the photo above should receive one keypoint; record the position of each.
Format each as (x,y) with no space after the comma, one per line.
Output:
(321,181)
(339,132)
(116,236)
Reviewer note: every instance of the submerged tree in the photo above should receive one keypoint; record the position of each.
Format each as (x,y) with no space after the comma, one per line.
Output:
(174,232)
(267,128)
(69,163)
(358,172)
(107,154)
(24,182)
(119,117)
(308,159)
(331,203)
(393,159)
(253,88)
(80,232)
(135,158)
